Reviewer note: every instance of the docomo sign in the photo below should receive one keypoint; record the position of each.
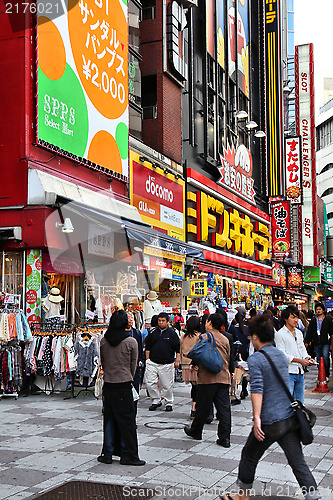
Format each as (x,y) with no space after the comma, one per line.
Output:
(157,190)
(306,129)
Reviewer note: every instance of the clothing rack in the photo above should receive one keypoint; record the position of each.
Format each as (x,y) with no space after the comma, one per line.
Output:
(86,329)
(13,344)
(45,330)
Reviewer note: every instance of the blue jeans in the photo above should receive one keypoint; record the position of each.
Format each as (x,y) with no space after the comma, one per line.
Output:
(323,351)
(285,433)
(296,386)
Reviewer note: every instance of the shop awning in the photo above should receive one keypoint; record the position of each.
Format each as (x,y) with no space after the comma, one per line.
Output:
(153,238)
(46,189)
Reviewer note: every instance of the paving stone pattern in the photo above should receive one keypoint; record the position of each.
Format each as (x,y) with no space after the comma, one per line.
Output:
(46,441)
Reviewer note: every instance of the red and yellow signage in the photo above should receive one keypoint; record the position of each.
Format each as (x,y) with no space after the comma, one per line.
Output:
(224,227)
(236,171)
(293,170)
(273,97)
(159,197)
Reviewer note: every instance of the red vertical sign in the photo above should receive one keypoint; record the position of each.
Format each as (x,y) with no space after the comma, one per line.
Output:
(281,229)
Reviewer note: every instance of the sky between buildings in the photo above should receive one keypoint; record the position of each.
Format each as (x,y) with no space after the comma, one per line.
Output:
(314,24)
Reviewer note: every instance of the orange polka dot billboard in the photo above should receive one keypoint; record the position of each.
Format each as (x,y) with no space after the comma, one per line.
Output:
(83,81)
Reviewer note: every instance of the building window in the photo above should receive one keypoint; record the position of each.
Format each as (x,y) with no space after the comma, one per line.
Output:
(324,134)
(210,71)
(327,167)
(135,121)
(221,82)
(148,9)
(327,192)
(134,13)
(134,80)
(149,97)
(221,126)
(11,272)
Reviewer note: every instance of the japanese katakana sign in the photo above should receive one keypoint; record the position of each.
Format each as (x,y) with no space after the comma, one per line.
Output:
(293,169)
(236,171)
(83,82)
(281,229)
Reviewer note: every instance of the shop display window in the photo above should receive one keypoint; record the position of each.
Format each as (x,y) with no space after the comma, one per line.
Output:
(11,272)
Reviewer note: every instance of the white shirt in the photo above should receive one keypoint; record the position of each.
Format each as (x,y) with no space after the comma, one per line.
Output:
(292,347)
(150,308)
(52,309)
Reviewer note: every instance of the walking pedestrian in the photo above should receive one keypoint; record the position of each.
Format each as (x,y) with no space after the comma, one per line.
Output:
(289,340)
(214,388)
(273,415)
(320,335)
(190,372)
(119,356)
(162,357)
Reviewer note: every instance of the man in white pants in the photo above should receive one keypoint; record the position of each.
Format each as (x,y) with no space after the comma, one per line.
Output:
(162,345)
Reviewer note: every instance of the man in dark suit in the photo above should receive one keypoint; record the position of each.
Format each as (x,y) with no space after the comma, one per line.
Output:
(320,334)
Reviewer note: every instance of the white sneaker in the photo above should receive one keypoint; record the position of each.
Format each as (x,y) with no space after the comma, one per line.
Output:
(327,379)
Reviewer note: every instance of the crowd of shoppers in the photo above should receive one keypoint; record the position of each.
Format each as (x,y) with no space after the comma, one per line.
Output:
(289,337)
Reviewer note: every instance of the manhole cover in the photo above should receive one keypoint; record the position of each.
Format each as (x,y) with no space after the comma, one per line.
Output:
(165,425)
(320,412)
(84,490)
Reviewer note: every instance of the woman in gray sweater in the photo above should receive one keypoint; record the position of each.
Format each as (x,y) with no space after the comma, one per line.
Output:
(119,355)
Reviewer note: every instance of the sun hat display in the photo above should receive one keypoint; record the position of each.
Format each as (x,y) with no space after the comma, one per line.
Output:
(152,295)
(54,295)
(133,300)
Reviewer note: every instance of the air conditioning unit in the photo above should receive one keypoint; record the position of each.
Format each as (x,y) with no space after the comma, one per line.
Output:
(11,233)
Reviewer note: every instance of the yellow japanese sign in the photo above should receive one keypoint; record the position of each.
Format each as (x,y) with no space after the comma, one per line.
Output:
(223,227)
(198,288)
(177,271)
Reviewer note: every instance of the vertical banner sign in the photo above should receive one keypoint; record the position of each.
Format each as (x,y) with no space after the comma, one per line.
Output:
(293,170)
(220,33)
(210,27)
(273,98)
(328,268)
(232,39)
(243,45)
(83,81)
(281,229)
(276,273)
(34,286)
(294,276)
(305,127)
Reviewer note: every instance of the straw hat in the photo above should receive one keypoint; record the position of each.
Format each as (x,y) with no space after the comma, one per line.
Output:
(133,300)
(152,295)
(54,295)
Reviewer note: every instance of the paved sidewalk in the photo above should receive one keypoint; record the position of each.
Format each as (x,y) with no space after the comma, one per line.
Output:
(46,441)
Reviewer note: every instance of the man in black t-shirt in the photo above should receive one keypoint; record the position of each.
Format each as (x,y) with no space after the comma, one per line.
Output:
(162,345)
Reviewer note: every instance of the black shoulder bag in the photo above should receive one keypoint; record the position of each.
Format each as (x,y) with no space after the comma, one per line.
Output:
(305,418)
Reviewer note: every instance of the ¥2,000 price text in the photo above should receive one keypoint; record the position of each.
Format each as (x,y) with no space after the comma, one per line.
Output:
(32,7)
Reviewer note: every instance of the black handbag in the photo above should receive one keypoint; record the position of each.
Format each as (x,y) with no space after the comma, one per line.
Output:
(305,417)
(205,353)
